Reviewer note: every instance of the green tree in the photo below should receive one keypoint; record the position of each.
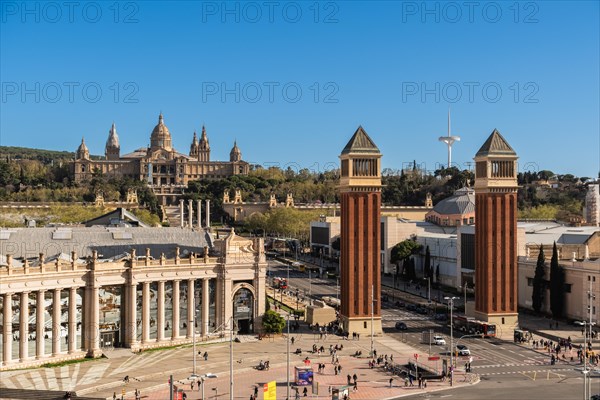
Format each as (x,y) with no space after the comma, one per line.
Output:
(404,250)
(557,285)
(273,322)
(539,286)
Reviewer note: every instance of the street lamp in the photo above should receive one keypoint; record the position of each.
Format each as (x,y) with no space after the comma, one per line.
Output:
(231,359)
(372,315)
(451,304)
(288,342)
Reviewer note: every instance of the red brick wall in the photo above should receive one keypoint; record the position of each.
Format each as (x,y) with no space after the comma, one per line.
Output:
(496,253)
(360,253)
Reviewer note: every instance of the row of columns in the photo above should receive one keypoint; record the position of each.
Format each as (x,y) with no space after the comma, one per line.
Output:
(191,213)
(7,333)
(160,322)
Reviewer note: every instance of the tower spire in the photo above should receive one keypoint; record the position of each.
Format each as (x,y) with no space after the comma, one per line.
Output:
(449,140)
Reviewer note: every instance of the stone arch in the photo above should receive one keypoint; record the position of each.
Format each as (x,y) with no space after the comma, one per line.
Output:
(244,308)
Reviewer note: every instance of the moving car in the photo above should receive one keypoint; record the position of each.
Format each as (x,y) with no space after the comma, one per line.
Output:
(463,350)
(438,340)
(401,326)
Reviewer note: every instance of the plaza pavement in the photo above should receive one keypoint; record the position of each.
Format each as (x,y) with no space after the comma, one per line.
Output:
(372,383)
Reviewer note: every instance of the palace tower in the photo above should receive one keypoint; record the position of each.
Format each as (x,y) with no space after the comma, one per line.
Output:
(360,193)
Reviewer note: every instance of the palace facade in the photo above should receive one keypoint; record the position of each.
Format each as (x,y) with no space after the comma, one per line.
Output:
(165,169)
(106,292)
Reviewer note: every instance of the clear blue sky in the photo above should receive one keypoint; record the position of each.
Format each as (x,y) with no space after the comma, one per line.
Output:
(393,67)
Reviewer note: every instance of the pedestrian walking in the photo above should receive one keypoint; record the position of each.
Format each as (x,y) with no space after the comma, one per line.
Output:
(205,355)
(305,392)
(391,382)
(255,391)
(354,377)
(424,383)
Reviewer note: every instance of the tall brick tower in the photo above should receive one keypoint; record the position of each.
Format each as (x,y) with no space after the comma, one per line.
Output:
(496,233)
(360,192)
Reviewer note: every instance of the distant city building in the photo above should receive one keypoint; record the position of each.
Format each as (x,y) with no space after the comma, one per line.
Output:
(160,165)
(592,205)
(456,210)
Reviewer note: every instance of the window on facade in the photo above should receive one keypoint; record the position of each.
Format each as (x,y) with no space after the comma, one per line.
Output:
(567,288)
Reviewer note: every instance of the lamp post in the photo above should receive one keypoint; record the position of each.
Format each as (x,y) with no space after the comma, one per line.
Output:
(288,358)
(193,326)
(372,314)
(451,304)
(231,359)
(587,390)
(288,344)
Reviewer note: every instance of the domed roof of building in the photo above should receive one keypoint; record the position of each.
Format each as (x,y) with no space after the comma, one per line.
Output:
(82,147)
(113,138)
(161,137)
(461,202)
(235,149)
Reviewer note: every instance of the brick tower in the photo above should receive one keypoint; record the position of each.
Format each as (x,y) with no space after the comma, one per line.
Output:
(360,192)
(496,233)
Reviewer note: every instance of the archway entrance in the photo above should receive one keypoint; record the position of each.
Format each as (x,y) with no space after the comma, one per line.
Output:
(243,311)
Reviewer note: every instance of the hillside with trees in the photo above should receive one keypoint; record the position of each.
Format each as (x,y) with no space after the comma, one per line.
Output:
(31,175)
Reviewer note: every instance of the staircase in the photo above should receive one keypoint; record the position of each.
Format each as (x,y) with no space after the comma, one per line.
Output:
(173,215)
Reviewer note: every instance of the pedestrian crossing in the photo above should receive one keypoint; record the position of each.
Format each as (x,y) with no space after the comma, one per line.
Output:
(553,371)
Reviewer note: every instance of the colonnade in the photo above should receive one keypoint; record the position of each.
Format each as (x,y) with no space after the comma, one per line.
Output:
(190,213)
(90,318)
(40,336)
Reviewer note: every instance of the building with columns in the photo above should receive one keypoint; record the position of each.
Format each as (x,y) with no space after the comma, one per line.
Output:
(166,170)
(65,306)
(496,232)
(360,194)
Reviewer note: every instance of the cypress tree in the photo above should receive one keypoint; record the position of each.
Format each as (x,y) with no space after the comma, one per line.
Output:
(539,286)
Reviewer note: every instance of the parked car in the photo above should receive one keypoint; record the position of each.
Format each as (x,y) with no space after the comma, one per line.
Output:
(401,326)
(422,310)
(438,340)
(440,317)
(463,350)
(411,307)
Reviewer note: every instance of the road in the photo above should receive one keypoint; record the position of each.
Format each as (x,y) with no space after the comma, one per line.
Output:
(507,370)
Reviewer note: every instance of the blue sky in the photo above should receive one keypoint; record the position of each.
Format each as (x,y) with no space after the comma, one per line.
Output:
(291,81)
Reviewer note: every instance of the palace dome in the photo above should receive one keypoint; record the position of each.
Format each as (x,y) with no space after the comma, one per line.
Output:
(161,137)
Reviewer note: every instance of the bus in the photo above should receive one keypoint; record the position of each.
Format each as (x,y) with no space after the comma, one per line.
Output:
(280,283)
(471,326)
